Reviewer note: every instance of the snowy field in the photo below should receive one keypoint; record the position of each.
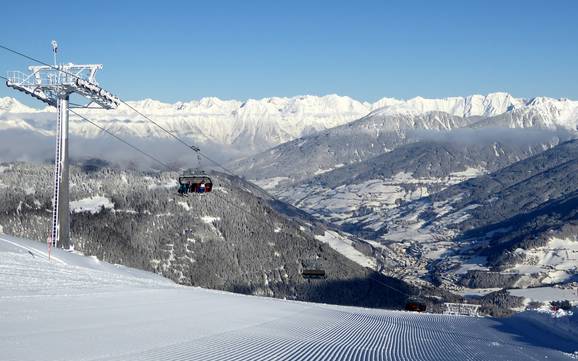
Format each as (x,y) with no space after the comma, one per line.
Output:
(345,246)
(547,294)
(77,308)
(557,261)
(91,204)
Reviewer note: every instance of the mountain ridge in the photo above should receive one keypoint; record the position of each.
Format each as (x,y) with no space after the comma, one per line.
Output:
(280,119)
(233,130)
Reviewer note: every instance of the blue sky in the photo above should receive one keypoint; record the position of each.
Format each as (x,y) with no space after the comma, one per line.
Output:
(182,50)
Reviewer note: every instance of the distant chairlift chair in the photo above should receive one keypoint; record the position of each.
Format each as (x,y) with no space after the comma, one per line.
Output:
(312,270)
(415,304)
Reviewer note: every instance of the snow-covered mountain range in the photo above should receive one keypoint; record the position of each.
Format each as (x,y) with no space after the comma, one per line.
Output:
(251,126)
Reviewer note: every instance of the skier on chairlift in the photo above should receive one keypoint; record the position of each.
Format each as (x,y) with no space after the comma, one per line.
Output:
(183,189)
(192,187)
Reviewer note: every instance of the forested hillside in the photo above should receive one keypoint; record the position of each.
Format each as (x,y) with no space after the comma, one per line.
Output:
(231,239)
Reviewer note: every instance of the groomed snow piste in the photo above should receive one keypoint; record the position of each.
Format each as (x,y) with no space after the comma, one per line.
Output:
(77,308)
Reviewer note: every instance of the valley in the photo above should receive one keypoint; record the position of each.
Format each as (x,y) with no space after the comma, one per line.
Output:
(413,197)
(387,193)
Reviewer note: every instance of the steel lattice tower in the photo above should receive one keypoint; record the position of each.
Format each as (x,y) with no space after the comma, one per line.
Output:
(54,85)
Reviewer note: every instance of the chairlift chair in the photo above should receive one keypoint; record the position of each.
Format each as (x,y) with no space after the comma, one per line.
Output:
(193,183)
(415,304)
(312,270)
(313,273)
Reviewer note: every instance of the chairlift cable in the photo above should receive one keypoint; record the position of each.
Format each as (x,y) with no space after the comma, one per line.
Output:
(155,159)
(191,147)
(390,287)
(171,134)
(123,141)
(158,161)
(27,57)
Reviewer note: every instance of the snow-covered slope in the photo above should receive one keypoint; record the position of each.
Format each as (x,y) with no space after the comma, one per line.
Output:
(519,223)
(473,105)
(11,105)
(350,143)
(353,192)
(539,112)
(76,308)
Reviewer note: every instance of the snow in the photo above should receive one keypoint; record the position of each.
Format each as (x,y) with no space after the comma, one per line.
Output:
(210,219)
(185,205)
(321,171)
(373,202)
(469,172)
(475,263)
(547,294)
(554,312)
(344,245)
(343,204)
(82,309)
(92,204)
(171,183)
(561,326)
(557,260)
(473,105)
(8,104)
(257,124)
(269,183)
(477,291)
(210,120)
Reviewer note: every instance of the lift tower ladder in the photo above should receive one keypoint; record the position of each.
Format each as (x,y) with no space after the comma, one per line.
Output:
(53,85)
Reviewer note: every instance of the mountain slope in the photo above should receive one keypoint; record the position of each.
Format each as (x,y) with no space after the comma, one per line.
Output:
(11,105)
(346,144)
(108,312)
(520,221)
(232,239)
(398,123)
(469,106)
(539,112)
(349,194)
